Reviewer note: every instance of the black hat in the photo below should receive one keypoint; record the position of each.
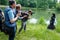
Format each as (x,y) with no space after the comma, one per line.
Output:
(11,2)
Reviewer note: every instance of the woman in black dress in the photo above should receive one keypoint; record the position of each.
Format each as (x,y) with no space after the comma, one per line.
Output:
(52,21)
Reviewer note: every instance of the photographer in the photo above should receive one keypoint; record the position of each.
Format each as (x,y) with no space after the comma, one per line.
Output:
(24,17)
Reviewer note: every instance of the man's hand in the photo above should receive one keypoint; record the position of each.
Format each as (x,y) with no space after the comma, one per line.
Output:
(18,15)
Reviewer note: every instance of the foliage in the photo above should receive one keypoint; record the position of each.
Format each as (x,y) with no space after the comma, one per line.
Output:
(27,3)
(52,3)
(42,4)
(41,20)
(32,4)
(58,6)
(3,2)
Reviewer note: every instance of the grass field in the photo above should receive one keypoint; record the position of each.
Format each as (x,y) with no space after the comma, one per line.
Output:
(37,31)
(34,32)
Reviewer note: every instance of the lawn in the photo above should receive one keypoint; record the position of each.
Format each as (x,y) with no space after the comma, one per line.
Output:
(34,32)
(37,31)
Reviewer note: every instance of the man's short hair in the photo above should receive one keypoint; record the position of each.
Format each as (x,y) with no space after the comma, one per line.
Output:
(11,2)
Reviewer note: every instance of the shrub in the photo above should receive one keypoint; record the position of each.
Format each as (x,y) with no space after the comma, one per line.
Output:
(58,6)
(41,20)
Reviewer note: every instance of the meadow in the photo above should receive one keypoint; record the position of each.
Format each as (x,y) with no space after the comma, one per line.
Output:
(37,31)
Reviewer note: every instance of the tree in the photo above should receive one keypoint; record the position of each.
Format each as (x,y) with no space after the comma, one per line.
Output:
(3,2)
(52,3)
(23,2)
(42,4)
(32,3)
(27,3)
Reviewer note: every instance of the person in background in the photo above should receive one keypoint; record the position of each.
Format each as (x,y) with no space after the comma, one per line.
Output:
(10,19)
(52,21)
(1,19)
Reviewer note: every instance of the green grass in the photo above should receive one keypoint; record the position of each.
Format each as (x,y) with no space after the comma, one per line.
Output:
(34,32)
(37,31)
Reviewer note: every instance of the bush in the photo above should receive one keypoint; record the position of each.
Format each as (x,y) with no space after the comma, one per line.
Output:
(41,20)
(58,6)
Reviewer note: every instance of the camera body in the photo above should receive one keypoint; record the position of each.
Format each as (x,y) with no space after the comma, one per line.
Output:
(25,18)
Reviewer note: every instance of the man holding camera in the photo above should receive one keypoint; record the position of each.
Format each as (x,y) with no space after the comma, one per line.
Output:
(24,17)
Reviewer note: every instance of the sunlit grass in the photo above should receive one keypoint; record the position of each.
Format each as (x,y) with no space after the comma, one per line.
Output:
(34,32)
(37,31)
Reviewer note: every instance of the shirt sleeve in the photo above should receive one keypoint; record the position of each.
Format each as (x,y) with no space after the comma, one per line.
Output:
(10,14)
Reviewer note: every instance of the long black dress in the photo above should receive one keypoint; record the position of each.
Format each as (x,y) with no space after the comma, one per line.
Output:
(51,25)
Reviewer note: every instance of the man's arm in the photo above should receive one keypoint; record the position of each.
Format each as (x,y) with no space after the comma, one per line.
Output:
(11,16)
